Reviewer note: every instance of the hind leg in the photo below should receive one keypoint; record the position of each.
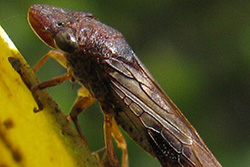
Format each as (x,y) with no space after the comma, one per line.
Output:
(111,129)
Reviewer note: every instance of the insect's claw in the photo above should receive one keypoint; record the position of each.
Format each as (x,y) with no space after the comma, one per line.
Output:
(36,110)
(38,102)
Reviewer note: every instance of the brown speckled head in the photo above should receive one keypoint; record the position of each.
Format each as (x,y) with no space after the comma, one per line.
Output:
(47,21)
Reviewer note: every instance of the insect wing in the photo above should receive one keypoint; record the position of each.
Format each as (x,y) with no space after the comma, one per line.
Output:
(173,139)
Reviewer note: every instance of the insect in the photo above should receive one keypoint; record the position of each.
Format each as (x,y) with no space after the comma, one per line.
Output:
(98,58)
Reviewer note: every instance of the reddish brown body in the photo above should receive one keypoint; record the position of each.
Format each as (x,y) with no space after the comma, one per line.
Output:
(100,59)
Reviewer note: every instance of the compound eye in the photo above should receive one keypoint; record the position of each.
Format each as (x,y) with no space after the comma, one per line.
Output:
(60,24)
(66,41)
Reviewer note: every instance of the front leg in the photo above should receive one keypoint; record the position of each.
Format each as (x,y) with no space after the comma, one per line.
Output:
(42,85)
(52,82)
(59,57)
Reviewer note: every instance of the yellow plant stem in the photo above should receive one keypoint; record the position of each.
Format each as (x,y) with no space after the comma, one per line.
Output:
(30,139)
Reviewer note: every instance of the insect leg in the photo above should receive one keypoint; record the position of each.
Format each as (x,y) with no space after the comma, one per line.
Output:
(58,56)
(84,100)
(120,141)
(108,140)
(42,85)
(52,82)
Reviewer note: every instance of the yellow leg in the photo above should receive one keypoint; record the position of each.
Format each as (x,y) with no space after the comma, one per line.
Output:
(111,129)
(52,82)
(120,141)
(84,100)
(58,56)
(108,141)
(42,85)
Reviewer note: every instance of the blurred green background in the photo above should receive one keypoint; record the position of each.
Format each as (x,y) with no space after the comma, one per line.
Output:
(199,52)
